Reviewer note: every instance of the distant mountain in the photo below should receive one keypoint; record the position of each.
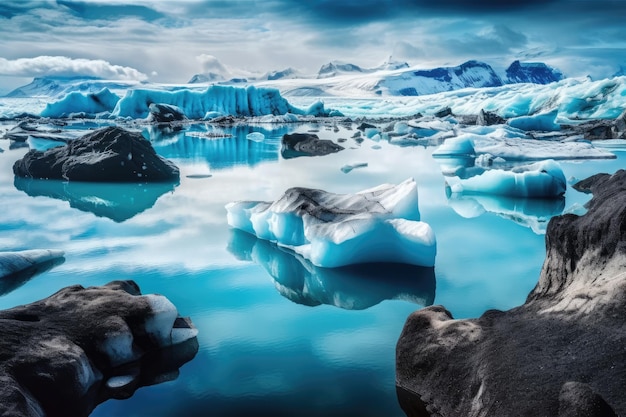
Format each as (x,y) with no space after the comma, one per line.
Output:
(419,82)
(287,73)
(391,65)
(532,72)
(207,77)
(335,68)
(60,86)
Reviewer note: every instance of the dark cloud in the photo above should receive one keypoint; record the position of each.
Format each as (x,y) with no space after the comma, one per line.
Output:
(97,11)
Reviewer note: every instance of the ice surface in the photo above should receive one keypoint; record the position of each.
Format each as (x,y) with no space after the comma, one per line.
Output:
(119,381)
(159,325)
(255,136)
(538,180)
(380,224)
(89,105)
(118,346)
(541,122)
(512,145)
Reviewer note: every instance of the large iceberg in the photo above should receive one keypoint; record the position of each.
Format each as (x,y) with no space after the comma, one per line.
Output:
(86,105)
(216,99)
(380,224)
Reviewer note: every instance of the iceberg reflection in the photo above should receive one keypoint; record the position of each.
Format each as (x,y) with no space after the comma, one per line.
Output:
(354,287)
(220,147)
(534,213)
(117,201)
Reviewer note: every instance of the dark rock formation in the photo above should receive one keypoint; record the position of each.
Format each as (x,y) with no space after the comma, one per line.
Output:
(602,129)
(487,118)
(165,113)
(559,354)
(307,144)
(446,111)
(63,355)
(111,154)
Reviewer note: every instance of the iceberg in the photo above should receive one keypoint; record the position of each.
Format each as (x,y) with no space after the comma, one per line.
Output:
(216,99)
(381,224)
(512,145)
(86,105)
(542,179)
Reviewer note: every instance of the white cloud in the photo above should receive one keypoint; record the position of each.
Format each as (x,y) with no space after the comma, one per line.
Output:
(63,66)
(211,64)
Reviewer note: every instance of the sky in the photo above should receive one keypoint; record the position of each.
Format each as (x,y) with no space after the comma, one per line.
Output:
(169,41)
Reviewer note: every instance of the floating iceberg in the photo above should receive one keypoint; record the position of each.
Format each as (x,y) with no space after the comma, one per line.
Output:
(543,179)
(380,224)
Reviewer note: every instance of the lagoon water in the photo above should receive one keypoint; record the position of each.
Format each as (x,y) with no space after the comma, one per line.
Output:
(278,337)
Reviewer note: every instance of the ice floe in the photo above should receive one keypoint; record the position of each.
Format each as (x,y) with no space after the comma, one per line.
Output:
(380,224)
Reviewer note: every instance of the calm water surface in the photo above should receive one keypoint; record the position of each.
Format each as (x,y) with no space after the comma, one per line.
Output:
(277,336)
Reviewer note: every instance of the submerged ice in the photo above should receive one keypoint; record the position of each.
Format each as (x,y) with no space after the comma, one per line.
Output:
(381,224)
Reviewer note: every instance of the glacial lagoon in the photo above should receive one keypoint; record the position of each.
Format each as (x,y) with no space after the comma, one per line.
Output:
(277,335)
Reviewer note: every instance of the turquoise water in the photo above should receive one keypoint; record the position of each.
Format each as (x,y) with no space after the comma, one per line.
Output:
(278,337)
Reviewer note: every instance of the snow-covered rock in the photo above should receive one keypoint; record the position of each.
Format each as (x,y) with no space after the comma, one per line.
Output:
(420,82)
(65,354)
(532,72)
(335,68)
(380,224)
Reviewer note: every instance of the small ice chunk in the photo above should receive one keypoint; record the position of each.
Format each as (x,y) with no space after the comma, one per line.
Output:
(255,136)
(159,324)
(116,382)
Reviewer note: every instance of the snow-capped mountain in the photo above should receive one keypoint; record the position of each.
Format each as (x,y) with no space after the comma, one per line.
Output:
(60,86)
(207,77)
(419,82)
(334,68)
(532,72)
(287,73)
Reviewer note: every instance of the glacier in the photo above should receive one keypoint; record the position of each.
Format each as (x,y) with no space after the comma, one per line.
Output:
(86,105)
(380,224)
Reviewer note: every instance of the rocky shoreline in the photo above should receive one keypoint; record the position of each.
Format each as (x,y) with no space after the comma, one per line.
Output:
(65,354)
(562,353)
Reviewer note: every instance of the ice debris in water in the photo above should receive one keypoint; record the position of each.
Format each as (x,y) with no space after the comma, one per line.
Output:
(380,224)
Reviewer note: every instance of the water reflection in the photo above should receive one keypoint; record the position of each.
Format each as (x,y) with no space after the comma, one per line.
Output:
(12,282)
(117,201)
(534,213)
(219,147)
(355,287)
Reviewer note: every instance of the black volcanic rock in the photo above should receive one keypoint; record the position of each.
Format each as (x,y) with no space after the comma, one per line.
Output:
(487,118)
(63,355)
(111,154)
(559,354)
(165,113)
(307,144)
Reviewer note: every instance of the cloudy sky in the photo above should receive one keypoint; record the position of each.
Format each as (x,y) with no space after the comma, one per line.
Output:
(171,40)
